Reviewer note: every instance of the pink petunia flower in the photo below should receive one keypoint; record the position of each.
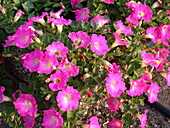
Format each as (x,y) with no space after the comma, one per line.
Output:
(79,38)
(47,63)
(98,44)
(2,9)
(131,4)
(56,14)
(82,15)
(143,119)
(115,123)
(59,80)
(94,122)
(114,68)
(18,15)
(114,84)
(74,2)
(39,19)
(168,12)
(118,40)
(26,105)
(68,98)
(30,60)
(109,1)
(68,68)
(168,77)
(113,104)
(123,29)
(99,20)
(29,121)
(2,89)
(52,119)
(153,92)
(58,49)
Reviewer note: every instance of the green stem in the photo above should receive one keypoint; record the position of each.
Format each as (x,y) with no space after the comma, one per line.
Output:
(68,124)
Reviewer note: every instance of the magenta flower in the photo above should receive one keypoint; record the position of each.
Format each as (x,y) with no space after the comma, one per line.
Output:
(113,104)
(2,89)
(115,123)
(114,84)
(68,68)
(82,15)
(39,19)
(30,60)
(58,49)
(59,80)
(99,21)
(79,38)
(94,122)
(168,12)
(52,119)
(123,29)
(168,77)
(47,63)
(18,15)
(56,14)
(68,98)
(118,40)
(153,92)
(74,2)
(29,121)
(131,4)
(132,19)
(98,44)
(26,105)
(143,119)
(109,1)
(114,68)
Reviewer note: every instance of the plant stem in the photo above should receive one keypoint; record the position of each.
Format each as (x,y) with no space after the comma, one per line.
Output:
(68,124)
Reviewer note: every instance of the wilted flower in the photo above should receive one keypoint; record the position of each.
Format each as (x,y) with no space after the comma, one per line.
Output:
(109,1)
(82,15)
(2,89)
(118,40)
(2,9)
(143,119)
(79,38)
(68,98)
(98,44)
(30,60)
(74,2)
(113,104)
(52,119)
(123,29)
(153,92)
(99,20)
(47,63)
(18,15)
(115,123)
(26,105)
(58,49)
(59,80)
(114,84)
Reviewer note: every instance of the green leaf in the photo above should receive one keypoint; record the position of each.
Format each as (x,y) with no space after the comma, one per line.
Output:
(79,6)
(16,2)
(127,119)
(56,5)
(71,115)
(28,6)
(48,4)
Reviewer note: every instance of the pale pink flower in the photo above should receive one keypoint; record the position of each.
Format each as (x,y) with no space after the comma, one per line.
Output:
(82,15)
(153,92)
(68,98)
(113,104)
(59,80)
(109,1)
(114,84)
(52,119)
(58,49)
(56,14)
(47,63)
(30,60)
(18,15)
(98,44)
(94,122)
(2,9)
(2,89)
(115,123)
(143,119)
(74,2)
(68,68)
(126,30)
(39,19)
(29,121)
(118,40)
(99,20)
(79,38)
(26,105)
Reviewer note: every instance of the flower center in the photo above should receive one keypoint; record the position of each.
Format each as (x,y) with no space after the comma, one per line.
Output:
(67,96)
(117,123)
(113,83)
(27,102)
(49,65)
(141,13)
(96,45)
(57,80)
(57,53)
